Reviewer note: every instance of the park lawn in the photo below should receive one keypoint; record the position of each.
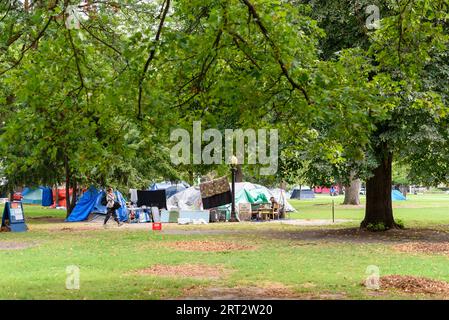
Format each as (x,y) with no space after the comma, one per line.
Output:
(417,211)
(318,268)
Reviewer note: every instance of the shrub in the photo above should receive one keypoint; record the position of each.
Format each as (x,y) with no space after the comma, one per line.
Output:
(400,224)
(375,227)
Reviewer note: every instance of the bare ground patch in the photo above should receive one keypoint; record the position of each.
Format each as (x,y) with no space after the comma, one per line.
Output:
(200,231)
(79,228)
(414,285)
(49,219)
(361,236)
(197,271)
(310,222)
(208,246)
(265,291)
(423,247)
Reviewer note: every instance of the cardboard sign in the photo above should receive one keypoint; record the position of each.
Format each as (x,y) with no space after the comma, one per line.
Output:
(245,211)
(13,217)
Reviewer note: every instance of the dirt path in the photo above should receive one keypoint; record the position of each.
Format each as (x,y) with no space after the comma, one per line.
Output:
(310,222)
(264,291)
(15,245)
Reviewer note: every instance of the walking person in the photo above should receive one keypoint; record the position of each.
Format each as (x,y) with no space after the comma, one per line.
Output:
(111,207)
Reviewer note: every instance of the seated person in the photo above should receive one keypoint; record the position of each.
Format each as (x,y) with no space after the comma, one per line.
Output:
(273,202)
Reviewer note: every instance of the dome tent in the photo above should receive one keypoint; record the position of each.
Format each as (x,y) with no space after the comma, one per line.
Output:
(302,192)
(41,196)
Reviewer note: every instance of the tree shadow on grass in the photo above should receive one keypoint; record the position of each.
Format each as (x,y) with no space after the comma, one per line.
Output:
(362,236)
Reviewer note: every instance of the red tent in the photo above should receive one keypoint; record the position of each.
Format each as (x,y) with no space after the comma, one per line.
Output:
(325,190)
(61,197)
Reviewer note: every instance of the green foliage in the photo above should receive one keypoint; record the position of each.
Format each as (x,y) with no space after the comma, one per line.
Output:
(401,174)
(376,227)
(97,104)
(400,224)
(380,226)
(387,91)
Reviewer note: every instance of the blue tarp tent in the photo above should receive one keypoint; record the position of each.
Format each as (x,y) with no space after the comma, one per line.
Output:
(47,197)
(170,188)
(90,202)
(397,195)
(41,195)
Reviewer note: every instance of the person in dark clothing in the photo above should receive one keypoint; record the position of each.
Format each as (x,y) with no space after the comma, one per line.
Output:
(110,198)
(273,202)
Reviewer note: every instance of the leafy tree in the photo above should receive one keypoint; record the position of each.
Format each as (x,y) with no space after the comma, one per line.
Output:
(410,119)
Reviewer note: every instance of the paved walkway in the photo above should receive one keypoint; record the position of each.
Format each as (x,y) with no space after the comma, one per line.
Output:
(310,222)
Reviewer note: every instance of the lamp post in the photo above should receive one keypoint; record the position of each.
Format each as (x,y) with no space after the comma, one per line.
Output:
(234,163)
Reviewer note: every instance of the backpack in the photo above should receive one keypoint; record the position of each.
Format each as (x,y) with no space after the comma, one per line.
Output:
(104,201)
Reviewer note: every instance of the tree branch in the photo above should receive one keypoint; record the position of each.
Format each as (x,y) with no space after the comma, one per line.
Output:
(33,43)
(7,11)
(253,12)
(78,67)
(166,7)
(236,38)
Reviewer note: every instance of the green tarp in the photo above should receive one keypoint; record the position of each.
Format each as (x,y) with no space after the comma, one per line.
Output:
(251,196)
(256,196)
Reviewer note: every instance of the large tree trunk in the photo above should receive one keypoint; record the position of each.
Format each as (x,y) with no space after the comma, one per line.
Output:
(379,208)
(352,192)
(67,186)
(74,194)
(11,194)
(56,195)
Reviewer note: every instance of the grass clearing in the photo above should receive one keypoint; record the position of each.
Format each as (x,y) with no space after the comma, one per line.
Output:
(312,262)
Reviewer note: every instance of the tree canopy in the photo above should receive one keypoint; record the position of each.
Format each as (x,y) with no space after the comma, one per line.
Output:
(89,90)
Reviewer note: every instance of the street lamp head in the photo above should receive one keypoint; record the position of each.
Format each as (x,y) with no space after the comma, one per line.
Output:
(234,161)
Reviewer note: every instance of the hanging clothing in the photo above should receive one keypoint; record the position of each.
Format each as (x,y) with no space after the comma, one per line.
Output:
(133,193)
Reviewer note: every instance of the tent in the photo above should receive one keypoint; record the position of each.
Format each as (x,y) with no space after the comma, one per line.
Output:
(302,193)
(245,192)
(60,194)
(189,199)
(326,190)
(397,195)
(90,202)
(42,196)
(170,188)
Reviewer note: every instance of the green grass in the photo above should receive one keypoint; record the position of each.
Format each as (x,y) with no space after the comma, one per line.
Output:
(417,210)
(106,258)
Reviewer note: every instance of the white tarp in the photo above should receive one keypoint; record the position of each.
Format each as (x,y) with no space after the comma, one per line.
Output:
(190,199)
(281,196)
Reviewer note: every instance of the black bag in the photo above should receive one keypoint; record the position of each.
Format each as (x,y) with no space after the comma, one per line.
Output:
(117,205)
(104,201)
